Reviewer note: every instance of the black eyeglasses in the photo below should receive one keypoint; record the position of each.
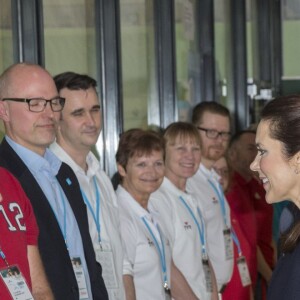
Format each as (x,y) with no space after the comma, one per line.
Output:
(214,134)
(39,104)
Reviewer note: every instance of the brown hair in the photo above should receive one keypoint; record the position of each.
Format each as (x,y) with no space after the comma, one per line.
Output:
(138,142)
(208,106)
(183,130)
(74,81)
(283,113)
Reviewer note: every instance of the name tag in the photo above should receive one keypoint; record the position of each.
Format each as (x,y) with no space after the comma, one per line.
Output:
(105,257)
(228,243)
(16,283)
(244,271)
(80,278)
(207,274)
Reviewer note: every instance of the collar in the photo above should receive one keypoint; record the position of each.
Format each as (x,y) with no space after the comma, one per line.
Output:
(35,162)
(132,204)
(209,173)
(91,160)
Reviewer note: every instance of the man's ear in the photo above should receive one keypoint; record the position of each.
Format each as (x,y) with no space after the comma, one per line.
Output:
(121,170)
(4,111)
(231,154)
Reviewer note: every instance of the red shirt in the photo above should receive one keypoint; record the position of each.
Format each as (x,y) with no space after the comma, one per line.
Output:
(241,204)
(234,288)
(18,227)
(264,220)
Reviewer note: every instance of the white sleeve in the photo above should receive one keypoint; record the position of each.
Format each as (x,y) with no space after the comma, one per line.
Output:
(163,206)
(129,238)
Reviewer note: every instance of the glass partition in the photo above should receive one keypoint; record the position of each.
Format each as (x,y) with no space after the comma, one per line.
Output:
(140,97)
(187,56)
(221,49)
(6,41)
(69,34)
(291,46)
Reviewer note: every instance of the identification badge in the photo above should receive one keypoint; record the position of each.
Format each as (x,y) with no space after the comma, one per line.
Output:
(168,294)
(16,283)
(228,244)
(244,271)
(80,278)
(167,291)
(207,274)
(105,257)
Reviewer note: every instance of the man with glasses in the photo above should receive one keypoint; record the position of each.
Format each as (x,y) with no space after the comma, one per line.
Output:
(30,109)
(213,123)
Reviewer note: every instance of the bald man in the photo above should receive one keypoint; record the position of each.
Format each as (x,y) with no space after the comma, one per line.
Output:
(30,109)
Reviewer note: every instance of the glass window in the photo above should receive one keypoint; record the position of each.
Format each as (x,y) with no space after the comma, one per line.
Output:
(140,97)
(187,57)
(70,42)
(291,46)
(249,41)
(221,40)
(6,41)
(69,36)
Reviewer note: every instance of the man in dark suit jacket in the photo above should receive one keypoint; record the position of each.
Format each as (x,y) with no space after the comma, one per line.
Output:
(25,92)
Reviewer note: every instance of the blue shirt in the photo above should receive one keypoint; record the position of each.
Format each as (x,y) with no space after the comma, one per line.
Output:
(44,169)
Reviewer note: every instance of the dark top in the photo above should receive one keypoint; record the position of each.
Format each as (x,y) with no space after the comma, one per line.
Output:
(285,279)
(51,243)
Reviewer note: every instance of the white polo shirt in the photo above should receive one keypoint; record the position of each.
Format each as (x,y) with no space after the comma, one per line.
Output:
(139,245)
(111,258)
(210,205)
(182,231)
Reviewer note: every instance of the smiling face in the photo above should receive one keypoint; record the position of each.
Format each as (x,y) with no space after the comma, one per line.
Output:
(182,160)
(277,173)
(213,149)
(143,175)
(80,123)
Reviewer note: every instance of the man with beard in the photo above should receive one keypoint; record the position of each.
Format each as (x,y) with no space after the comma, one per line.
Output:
(213,123)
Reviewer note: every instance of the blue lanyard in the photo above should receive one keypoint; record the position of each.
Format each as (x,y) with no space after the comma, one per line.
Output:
(221,199)
(64,228)
(236,241)
(161,250)
(3,257)
(96,215)
(201,228)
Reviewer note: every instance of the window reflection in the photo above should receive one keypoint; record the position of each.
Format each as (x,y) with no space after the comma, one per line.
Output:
(6,42)
(187,57)
(291,44)
(69,36)
(140,97)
